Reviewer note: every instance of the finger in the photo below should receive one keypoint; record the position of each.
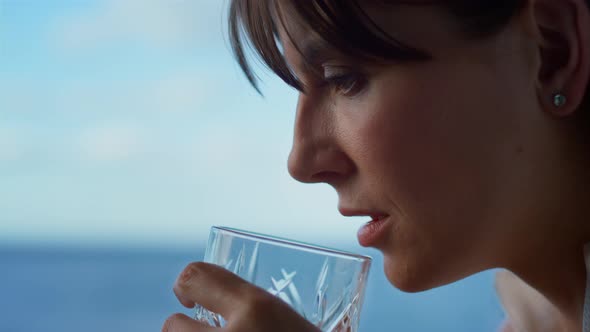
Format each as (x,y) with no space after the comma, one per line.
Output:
(183,323)
(213,287)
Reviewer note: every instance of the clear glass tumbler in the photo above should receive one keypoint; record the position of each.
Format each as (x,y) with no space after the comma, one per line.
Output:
(323,285)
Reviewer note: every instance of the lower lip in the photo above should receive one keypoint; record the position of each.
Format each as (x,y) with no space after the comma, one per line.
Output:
(373,232)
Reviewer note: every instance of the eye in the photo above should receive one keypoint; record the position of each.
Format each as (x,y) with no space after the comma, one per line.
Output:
(343,81)
(347,85)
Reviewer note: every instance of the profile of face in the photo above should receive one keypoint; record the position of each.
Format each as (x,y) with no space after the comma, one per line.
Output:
(452,150)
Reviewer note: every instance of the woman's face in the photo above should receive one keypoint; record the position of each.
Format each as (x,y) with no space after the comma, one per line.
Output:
(443,147)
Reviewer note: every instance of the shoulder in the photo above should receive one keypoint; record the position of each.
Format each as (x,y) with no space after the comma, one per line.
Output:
(526,308)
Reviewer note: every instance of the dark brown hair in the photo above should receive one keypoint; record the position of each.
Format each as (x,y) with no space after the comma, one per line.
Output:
(254,25)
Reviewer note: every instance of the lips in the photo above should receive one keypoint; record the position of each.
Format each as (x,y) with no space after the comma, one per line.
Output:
(377,218)
(375,215)
(374,231)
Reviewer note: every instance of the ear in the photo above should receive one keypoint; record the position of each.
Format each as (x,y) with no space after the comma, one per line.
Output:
(563,30)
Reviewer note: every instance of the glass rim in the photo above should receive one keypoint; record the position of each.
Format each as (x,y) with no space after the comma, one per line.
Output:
(292,243)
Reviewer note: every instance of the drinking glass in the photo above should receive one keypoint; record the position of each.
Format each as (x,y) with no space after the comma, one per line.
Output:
(323,285)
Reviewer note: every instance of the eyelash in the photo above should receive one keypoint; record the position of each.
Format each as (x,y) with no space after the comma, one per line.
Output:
(349,84)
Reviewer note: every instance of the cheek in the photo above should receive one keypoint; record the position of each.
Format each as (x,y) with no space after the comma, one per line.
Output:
(435,141)
(437,149)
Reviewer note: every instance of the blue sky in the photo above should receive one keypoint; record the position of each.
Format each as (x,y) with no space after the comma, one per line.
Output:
(128,122)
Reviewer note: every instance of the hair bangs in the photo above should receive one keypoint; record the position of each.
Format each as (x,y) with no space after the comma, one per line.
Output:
(341,24)
(252,26)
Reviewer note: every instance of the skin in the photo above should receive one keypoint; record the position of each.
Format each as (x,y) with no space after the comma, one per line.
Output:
(465,152)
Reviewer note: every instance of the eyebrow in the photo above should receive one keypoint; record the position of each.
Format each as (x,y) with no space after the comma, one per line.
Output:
(315,51)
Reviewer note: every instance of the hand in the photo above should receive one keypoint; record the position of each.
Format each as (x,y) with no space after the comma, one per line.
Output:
(245,307)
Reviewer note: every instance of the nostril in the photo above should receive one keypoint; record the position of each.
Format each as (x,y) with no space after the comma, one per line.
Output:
(326,177)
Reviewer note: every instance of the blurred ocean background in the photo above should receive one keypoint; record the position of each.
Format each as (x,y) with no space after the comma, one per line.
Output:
(118,290)
(126,132)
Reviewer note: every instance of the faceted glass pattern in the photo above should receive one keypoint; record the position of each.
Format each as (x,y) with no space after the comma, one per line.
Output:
(323,285)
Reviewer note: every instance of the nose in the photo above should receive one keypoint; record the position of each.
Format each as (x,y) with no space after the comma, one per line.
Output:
(317,155)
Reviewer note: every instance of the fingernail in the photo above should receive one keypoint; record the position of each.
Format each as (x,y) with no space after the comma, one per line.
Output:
(186,275)
(190,272)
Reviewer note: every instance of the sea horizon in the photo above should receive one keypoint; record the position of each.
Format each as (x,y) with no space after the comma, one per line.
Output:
(98,288)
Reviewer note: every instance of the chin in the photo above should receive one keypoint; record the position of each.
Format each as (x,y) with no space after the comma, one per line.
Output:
(414,277)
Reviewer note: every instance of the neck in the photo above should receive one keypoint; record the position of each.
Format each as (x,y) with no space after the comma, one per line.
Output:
(551,260)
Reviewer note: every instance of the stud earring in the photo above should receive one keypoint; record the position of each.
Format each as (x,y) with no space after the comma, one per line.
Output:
(559,100)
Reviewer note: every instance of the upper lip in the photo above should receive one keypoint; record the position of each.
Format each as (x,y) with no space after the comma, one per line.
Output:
(352,212)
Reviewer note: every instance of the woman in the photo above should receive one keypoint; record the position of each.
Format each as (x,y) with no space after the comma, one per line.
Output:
(458,126)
